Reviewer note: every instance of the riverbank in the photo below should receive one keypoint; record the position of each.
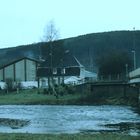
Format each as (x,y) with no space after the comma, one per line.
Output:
(67,137)
(35,97)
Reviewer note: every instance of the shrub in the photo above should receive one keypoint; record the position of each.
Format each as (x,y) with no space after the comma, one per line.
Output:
(9,84)
(70,89)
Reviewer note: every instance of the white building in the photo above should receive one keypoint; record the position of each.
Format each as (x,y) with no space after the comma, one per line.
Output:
(85,76)
(134,76)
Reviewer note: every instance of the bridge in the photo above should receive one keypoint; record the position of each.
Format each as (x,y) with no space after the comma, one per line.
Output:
(129,88)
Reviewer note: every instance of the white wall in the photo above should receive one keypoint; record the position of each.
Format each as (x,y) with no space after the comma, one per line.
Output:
(2,85)
(9,72)
(20,71)
(134,73)
(29,84)
(31,70)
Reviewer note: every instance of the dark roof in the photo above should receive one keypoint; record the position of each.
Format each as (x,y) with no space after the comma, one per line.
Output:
(67,61)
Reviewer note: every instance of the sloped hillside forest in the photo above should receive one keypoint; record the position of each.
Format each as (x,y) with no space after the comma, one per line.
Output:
(105,53)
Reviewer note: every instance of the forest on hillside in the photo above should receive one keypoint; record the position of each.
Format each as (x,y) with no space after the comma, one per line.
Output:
(105,53)
(92,46)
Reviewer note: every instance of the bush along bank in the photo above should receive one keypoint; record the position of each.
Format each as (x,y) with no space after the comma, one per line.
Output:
(66,95)
(83,95)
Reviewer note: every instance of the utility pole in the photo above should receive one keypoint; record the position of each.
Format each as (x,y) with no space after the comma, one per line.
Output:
(126,69)
(134,50)
(134,58)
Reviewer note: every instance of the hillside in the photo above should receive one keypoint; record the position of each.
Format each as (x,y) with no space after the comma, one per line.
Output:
(87,48)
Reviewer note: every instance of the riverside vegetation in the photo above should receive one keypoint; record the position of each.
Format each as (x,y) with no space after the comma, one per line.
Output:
(63,95)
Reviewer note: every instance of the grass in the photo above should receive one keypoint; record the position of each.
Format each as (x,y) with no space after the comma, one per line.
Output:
(29,97)
(32,97)
(6,136)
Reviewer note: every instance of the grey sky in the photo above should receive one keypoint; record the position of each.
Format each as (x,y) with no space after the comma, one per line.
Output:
(22,21)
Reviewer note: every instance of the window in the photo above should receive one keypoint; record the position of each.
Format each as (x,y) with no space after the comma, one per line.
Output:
(54,71)
(63,71)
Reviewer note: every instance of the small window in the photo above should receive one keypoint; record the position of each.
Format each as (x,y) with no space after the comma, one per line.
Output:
(63,71)
(54,71)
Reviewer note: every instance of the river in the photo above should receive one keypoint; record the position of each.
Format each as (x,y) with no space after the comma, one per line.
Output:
(70,119)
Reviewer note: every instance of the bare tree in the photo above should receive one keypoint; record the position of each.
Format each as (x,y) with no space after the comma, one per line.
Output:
(51,33)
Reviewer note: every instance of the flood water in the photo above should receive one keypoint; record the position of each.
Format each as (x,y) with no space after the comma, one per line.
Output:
(69,119)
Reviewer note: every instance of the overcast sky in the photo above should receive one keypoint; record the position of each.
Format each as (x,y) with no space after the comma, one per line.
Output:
(23,21)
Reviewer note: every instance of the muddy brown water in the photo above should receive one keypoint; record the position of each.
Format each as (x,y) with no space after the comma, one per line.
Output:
(69,119)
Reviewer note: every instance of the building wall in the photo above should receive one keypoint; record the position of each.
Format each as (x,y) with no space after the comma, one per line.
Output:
(1,75)
(135,73)
(20,71)
(30,70)
(9,72)
(24,70)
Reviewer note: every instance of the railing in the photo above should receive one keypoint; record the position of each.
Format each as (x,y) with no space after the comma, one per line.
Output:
(113,78)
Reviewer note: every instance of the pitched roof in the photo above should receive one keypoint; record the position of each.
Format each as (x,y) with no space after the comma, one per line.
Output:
(67,61)
(11,61)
